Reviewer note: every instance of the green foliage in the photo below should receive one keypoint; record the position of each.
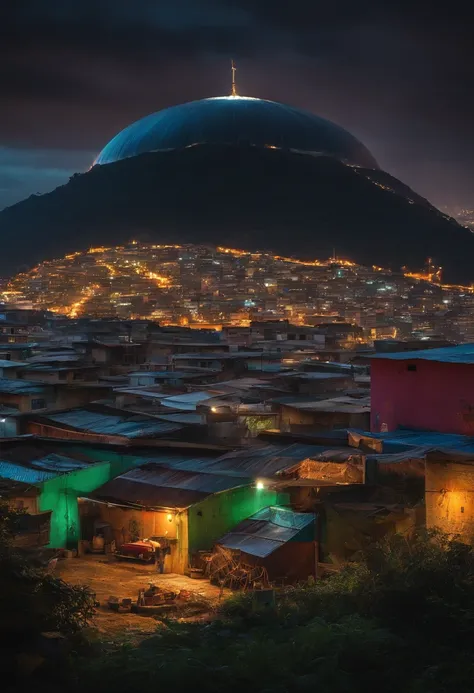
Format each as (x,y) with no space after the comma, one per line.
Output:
(347,656)
(255,424)
(403,619)
(31,601)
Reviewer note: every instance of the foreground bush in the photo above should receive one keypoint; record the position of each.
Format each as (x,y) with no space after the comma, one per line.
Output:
(33,602)
(402,620)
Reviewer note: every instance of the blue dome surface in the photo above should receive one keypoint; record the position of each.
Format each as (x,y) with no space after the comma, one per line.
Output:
(236,120)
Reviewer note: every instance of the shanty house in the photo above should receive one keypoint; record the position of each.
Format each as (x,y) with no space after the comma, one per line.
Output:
(297,412)
(24,395)
(430,390)
(277,539)
(191,508)
(52,482)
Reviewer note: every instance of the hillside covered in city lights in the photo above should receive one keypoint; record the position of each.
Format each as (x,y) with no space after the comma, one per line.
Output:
(212,286)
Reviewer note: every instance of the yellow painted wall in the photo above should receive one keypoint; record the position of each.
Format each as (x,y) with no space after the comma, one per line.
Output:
(449,498)
(127,522)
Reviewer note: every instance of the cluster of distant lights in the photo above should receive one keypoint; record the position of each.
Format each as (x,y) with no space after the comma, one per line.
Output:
(77,308)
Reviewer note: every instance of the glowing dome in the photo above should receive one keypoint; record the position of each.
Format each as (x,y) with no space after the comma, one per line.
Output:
(236,120)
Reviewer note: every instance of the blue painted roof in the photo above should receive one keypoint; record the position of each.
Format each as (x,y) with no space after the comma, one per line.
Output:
(24,474)
(464,353)
(236,120)
(18,386)
(404,439)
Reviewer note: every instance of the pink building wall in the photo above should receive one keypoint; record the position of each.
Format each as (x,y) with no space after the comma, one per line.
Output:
(436,396)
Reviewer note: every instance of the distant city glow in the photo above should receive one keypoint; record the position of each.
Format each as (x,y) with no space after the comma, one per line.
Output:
(216,288)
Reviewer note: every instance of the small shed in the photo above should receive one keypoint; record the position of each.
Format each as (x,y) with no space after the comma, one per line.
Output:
(278,539)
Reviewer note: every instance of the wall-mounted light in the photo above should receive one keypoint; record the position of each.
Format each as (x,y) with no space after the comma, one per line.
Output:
(260,486)
(213,409)
(169,517)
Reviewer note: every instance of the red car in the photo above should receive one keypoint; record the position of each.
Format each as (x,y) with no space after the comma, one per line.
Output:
(138,550)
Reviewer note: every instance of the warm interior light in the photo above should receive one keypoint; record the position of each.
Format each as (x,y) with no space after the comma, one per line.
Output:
(170,517)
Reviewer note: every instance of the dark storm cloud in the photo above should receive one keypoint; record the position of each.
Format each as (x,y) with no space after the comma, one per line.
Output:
(398,74)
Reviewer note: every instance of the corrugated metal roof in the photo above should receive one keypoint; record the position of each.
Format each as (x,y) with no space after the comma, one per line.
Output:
(34,458)
(262,462)
(284,517)
(254,545)
(131,426)
(4,363)
(155,486)
(346,405)
(315,375)
(414,438)
(58,463)
(412,453)
(145,392)
(12,386)
(243,383)
(24,474)
(464,353)
(190,400)
(266,531)
(189,418)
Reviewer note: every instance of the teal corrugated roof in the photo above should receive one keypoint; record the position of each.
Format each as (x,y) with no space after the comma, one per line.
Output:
(464,353)
(24,474)
(268,530)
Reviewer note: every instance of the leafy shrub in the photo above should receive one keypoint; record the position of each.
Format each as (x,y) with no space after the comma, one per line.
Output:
(31,601)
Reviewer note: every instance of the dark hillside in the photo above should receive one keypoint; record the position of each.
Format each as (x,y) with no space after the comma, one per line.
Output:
(245,197)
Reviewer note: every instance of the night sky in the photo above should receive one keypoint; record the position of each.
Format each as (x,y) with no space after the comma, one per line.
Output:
(75,72)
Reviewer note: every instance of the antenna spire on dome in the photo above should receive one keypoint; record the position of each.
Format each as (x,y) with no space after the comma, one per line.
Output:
(234,87)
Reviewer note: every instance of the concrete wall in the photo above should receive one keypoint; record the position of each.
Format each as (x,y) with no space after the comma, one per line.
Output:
(450,498)
(290,416)
(435,396)
(23,402)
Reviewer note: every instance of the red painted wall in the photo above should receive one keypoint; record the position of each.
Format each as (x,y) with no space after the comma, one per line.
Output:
(435,397)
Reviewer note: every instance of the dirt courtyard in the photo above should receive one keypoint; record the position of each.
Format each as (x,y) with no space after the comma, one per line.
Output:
(106,576)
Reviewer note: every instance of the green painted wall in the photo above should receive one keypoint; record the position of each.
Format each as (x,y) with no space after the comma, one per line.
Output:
(216,515)
(60,495)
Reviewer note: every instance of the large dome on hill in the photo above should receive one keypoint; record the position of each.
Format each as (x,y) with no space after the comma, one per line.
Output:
(236,120)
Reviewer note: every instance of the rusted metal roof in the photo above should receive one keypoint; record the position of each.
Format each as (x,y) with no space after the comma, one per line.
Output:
(155,486)
(127,425)
(265,462)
